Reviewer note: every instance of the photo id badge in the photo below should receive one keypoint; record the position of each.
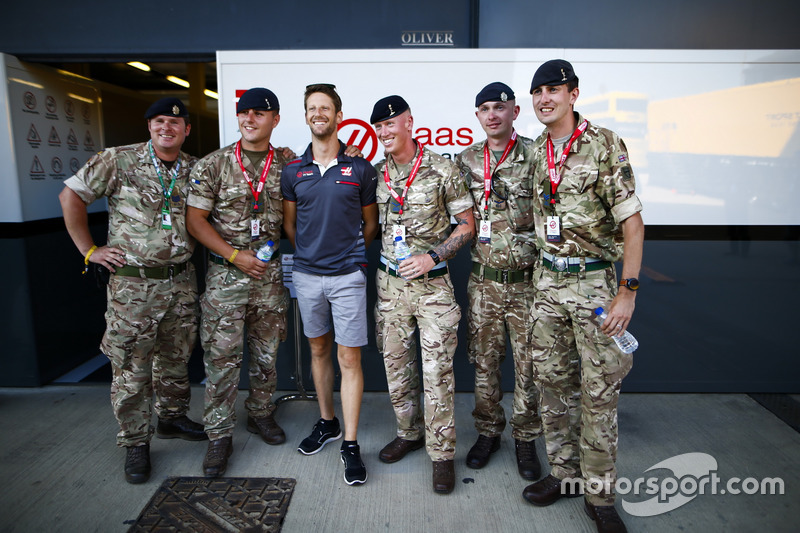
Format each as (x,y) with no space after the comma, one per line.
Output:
(553,229)
(255,228)
(485,231)
(398,230)
(166,219)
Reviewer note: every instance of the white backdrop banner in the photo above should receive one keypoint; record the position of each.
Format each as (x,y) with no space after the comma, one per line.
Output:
(713,134)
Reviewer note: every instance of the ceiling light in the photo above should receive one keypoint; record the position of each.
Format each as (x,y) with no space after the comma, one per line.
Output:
(211,94)
(26,82)
(68,73)
(139,65)
(81,98)
(177,81)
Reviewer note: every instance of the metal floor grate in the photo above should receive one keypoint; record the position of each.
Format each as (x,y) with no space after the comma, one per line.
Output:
(209,505)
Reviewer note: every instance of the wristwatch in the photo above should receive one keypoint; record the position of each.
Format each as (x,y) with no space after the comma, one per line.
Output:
(435,257)
(630,283)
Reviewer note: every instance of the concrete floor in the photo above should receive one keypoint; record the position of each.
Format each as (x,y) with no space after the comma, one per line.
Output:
(61,470)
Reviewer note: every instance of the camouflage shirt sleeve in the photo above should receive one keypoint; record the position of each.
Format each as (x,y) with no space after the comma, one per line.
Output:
(97,178)
(204,182)
(218,186)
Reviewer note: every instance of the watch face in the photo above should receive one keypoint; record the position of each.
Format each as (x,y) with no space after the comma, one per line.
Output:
(632,283)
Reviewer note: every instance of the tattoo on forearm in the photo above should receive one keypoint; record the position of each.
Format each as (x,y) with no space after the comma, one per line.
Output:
(456,240)
(448,248)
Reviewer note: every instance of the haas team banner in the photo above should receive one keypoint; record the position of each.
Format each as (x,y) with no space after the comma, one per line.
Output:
(703,152)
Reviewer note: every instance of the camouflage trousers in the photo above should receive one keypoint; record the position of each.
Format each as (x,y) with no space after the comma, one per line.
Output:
(430,306)
(496,310)
(233,300)
(151,330)
(579,392)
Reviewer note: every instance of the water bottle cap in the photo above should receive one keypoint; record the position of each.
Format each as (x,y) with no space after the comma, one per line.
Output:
(598,311)
(398,238)
(270,243)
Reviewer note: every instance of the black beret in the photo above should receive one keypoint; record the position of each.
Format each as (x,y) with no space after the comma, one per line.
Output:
(258,98)
(388,107)
(170,107)
(494,92)
(553,72)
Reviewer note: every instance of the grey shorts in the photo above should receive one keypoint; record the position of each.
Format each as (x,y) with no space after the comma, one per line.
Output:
(338,301)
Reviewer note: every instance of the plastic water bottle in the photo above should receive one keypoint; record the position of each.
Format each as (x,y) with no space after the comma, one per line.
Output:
(626,342)
(401,250)
(265,252)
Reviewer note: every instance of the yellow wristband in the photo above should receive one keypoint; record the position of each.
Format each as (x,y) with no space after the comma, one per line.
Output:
(89,254)
(233,256)
(86,258)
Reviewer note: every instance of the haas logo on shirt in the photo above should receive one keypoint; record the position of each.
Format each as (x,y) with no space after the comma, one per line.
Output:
(347,171)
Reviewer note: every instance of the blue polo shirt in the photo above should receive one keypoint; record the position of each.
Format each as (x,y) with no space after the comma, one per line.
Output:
(329,241)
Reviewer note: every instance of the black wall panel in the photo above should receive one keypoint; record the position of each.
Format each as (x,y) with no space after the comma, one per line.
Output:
(184,29)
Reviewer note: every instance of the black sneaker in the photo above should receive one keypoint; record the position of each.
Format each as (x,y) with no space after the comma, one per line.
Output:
(324,432)
(354,470)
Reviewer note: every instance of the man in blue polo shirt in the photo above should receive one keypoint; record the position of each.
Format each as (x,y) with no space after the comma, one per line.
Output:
(330,216)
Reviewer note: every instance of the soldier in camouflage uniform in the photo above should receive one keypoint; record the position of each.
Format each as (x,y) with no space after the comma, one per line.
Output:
(235,207)
(500,292)
(421,190)
(152,295)
(587,214)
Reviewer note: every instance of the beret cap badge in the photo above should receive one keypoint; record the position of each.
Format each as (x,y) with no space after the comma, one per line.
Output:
(388,107)
(169,106)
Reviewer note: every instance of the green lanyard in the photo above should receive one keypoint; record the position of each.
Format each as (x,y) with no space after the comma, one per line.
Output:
(166,219)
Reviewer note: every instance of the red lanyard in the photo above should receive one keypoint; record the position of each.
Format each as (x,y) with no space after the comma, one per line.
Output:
(487,162)
(555,175)
(264,173)
(401,199)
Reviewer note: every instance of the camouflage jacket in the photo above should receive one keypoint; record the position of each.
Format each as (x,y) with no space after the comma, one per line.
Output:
(513,237)
(127,177)
(438,191)
(597,192)
(218,186)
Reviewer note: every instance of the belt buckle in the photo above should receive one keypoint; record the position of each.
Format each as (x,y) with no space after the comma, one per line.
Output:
(560,264)
(504,276)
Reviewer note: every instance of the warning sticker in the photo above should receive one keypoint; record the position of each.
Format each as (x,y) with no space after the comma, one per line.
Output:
(37,170)
(29,100)
(57,165)
(33,137)
(51,107)
(54,139)
(72,140)
(88,143)
(69,110)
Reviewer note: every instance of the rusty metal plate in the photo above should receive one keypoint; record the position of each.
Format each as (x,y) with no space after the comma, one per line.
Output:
(209,505)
